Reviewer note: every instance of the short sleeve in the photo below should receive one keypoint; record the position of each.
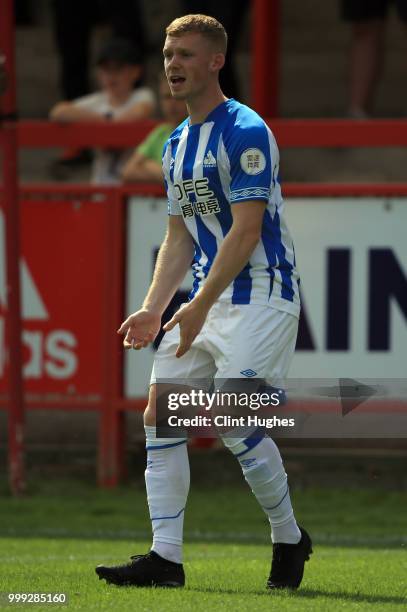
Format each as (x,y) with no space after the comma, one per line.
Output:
(173,206)
(93,102)
(250,154)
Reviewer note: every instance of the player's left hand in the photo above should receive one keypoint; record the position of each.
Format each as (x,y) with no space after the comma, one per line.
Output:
(190,318)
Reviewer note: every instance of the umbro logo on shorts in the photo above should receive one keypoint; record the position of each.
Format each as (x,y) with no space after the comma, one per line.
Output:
(249,373)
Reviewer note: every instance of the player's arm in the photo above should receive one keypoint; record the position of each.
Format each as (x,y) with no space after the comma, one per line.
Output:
(234,253)
(173,261)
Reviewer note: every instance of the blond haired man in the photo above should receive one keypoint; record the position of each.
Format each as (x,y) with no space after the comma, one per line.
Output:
(225,211)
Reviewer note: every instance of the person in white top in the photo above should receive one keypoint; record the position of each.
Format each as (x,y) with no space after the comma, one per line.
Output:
(118,70)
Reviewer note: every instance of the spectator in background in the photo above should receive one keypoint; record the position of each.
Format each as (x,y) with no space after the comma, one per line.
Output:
(368,18)
(73,21)
(146,162)
(122,98)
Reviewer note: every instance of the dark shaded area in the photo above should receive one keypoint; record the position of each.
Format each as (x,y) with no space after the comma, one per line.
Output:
(73,21)
(231,17)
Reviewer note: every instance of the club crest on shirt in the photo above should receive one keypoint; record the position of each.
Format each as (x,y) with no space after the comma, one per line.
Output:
(252,161)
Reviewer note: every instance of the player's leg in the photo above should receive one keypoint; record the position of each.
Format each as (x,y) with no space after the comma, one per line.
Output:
(264,341)
(166,475)
(264,472)
(167,484)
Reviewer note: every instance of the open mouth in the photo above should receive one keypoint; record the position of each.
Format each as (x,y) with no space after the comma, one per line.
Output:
(174,80)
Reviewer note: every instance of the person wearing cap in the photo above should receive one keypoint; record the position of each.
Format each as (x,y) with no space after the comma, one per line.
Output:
(120,98)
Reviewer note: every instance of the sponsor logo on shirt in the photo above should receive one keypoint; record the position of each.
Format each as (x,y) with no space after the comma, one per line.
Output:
(195,198)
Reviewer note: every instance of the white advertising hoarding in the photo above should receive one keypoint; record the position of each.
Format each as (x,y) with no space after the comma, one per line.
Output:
(352,257)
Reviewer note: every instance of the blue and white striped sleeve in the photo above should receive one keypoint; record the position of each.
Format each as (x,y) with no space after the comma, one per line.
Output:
(251,163)
(173,206)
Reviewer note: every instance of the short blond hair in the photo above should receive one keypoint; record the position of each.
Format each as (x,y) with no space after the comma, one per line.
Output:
(208,26)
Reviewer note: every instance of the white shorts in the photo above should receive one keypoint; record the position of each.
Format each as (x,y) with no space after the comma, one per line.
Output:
(236,341)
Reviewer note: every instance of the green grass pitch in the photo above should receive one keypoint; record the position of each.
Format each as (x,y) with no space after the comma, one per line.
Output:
(219,577)
(51,540)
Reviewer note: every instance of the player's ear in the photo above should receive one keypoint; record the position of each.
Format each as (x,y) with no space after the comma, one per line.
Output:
(217,62)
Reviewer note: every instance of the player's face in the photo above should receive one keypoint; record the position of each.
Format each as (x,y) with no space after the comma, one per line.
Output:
(189,63)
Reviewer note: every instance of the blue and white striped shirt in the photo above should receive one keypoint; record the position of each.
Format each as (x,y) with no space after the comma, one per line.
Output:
(232,157)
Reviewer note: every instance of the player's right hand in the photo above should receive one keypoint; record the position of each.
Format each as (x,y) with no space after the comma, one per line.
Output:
(139,329)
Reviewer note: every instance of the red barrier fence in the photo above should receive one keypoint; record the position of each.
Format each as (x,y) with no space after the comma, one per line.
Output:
(296,133)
